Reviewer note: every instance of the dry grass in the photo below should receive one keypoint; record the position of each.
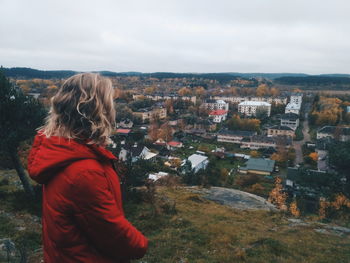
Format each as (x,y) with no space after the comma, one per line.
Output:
(203,231)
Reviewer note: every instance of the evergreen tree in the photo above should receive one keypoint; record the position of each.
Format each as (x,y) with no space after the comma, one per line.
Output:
(20,115)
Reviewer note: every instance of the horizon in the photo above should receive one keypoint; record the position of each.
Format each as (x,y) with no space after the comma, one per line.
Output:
(179,72)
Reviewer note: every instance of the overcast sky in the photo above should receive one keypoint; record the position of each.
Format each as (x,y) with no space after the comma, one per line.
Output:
(305,36)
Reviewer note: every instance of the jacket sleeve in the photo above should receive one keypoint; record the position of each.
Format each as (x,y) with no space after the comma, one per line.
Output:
(103,222)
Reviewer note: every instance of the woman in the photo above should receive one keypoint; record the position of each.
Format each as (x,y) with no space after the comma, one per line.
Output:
(83,218)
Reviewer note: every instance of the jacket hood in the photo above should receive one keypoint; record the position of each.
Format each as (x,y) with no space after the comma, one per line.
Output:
(48,155)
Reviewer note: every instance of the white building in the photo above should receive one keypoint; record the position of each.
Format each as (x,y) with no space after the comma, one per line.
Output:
(216,105)
(292,108)
(291,120)
(156,176)
(198,162)
(218,115)
(250,108)
(296,98)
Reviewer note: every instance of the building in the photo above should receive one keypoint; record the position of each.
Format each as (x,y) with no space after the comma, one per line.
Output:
(279,130)
(126,124)
(215,105)
(259,166)
(296,98)
(147,114)
(260,142)
(124,132)
(239,99)
(290,120)
(135,152)
(156,176)
(166,96)
(198,162)
(251,108)
(173,145)
(292,108)
(233,136)
(338,133)
(218,115)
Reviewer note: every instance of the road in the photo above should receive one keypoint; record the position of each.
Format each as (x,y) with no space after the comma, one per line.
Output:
(298,144)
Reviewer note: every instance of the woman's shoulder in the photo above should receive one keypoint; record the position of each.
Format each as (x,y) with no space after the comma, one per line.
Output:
(85,166)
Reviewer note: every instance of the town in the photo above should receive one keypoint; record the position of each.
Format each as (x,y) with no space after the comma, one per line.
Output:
(285,146)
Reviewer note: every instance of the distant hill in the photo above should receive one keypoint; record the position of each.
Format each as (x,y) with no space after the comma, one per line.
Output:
(321,80)
(282,78)
(34,73)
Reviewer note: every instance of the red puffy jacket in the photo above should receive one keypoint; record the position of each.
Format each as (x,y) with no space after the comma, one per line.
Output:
(83,218)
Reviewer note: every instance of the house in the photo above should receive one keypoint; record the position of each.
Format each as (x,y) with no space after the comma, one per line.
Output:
(173,145)
(135,152)
(294,174)
(124,132)
(335,132)
(198,162)
(279,130)
(239,99)
(251,108)
(233,136)
(259,166)
(296,98)
(160,141)
(218,115)
(260,142)
(156,176)
(291,120)
(170,96)
(125,124)
(148,114)
(215,105)
(292,108)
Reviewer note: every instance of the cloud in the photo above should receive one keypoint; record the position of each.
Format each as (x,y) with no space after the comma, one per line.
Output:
(177,35)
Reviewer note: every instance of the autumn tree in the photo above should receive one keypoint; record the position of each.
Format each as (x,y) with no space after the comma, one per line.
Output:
(19,118)
(200,91)
(274,92)
(293,209)
(262,90)
(277,196)
(184,91)
(236,123)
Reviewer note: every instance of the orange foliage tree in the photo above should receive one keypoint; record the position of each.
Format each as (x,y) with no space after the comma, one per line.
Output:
(277,196)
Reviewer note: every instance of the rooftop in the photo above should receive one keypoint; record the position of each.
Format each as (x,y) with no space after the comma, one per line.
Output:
(254,103)
(335,129)
(237,133)
(196,159)
(281,127)
(260,164)
(290,116)
(218,112)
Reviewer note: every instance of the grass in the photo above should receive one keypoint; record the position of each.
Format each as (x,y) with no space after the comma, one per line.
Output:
(203,231)
(198,231)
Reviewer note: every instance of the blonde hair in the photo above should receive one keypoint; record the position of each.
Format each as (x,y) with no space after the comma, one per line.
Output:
(82,109)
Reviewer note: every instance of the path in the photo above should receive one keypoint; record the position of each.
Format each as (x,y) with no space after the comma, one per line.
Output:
(298,144)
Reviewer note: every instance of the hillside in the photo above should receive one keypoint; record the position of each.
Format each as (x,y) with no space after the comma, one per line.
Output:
(183,226)
(204,231)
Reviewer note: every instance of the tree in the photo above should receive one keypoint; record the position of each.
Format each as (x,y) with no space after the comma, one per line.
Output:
(277,196)
(262,90)
(293,209)
(184,91)
(20,116)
